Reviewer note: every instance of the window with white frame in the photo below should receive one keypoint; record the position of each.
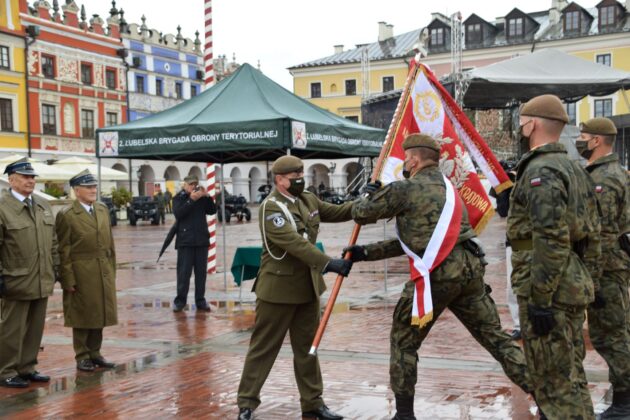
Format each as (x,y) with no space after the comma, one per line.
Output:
(6,114)
(111,118)
(388,83)
(49,119)
(604,59)
(570,107)
(5,61)
(316,90)
(87,123)
(603,107)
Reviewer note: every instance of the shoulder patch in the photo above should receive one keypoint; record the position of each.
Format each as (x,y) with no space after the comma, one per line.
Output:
(598,188)
(273,216)
(535,182)
(279,221)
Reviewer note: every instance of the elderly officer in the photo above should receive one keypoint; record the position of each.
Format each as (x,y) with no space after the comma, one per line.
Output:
(288,287)
(28,261)
(553,228)
(190,206)
(456,283)
(609,315)
(88,271)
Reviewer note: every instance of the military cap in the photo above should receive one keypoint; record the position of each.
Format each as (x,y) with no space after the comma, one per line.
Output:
(22,166)
(83,179)
(545,106)
(420,140)
(190,179)
(287,164)
(602,126)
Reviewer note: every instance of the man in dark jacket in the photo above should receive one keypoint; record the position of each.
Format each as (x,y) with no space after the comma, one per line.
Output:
(190,206)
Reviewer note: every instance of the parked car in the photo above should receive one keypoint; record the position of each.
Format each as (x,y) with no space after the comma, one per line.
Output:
(143,208)
(112,210)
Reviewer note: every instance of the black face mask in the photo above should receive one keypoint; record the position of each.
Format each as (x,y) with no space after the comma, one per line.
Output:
(405,173)
(297,186)
(523,139)
(583,150)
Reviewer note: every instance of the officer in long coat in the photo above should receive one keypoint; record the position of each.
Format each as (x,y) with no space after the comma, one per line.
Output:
(88,272)
(28,261)
(609,314)
(553,228)
(457,283)
(288,287)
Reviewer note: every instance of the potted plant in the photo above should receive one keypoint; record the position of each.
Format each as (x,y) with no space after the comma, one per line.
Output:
(121,197)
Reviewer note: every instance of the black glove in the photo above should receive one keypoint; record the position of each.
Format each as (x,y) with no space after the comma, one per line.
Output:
(541,318)
(599,301)
(339,266)
(358,253)
(2,287)
(372,187)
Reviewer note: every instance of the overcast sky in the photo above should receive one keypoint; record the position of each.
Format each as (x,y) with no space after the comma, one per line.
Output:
(283,33)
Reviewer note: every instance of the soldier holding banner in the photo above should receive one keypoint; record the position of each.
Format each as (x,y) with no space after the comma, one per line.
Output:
(432,223)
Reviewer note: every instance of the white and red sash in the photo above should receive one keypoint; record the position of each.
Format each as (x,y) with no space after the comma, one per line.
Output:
(442,241)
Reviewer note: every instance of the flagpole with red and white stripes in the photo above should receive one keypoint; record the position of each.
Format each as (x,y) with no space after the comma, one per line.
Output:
(210,167)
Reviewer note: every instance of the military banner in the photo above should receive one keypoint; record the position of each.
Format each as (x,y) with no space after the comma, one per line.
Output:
(426,107)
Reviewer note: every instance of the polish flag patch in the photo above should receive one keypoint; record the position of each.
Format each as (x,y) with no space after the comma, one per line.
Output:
(534,182)
(598,188)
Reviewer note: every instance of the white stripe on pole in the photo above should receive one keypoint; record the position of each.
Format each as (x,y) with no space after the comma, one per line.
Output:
(210,169)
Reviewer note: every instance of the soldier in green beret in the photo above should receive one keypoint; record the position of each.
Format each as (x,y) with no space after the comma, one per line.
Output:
(553,228)
(28,262)
(456,283)
(88,272)
(609,314)
(288,288)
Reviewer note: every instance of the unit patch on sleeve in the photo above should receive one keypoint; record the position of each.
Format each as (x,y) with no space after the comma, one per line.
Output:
(279,221)
(598,188)
(535,182)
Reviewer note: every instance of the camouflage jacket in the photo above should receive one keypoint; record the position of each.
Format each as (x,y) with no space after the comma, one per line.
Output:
(417,204)
(553,208)
(612,191)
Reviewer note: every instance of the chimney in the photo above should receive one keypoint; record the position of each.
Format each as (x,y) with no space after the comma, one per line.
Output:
(338,49)
(382,31)
(97,24)
(43,9)
(390,30)
(555,13)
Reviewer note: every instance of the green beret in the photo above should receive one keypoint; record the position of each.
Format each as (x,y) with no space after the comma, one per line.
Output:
(420,140)
(190,179)
(602,126)
(287,164)
(545,106)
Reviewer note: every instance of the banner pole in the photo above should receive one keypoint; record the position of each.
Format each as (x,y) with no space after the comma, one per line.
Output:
(389,142)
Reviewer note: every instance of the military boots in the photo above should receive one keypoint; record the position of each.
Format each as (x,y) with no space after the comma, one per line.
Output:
(404,408)
(620,408)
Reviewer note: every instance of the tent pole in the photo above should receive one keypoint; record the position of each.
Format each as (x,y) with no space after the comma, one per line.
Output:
(223,223)
(385,260)
(625,98)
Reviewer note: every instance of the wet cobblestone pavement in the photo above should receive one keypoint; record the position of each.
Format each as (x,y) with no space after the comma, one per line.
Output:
(188,364)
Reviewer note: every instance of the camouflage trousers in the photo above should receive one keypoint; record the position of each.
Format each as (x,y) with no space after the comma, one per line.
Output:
(609,328)
(555,363)
(456,284)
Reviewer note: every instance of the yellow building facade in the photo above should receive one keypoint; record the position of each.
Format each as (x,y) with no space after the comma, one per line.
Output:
(13,105)
(323,81)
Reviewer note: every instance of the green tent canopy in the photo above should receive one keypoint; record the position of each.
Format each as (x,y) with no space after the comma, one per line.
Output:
(245,117)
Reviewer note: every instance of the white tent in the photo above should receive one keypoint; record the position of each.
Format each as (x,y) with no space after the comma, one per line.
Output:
(77,164)
(519,79)
(44,172)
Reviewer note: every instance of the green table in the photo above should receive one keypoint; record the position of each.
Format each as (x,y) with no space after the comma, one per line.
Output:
(246,262)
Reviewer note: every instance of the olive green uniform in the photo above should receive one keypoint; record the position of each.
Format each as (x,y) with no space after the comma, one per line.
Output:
(609,327)
(456,284)
(88,263)
(287,288)
(28,260)
(553,227)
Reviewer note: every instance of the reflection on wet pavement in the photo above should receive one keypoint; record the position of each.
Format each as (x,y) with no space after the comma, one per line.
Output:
(188,364)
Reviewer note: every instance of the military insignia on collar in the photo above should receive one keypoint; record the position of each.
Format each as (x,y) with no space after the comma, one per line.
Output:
(313,214)
(534,182)
(279,221)
(598,188)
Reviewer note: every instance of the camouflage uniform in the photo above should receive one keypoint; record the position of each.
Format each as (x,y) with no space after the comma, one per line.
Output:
(553,217)
(456,284)
(609,326)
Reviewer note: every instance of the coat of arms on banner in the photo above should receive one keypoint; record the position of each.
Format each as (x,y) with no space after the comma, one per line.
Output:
(298,134)
(108,143)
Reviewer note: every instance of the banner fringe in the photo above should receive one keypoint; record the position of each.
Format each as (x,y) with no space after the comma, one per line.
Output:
(481,224)
(422,322)
(504,186)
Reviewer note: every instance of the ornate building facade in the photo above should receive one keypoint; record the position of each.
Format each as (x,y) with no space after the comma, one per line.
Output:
(76,78)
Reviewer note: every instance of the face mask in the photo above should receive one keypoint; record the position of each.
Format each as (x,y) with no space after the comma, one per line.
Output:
(523,139)
(406,173)
(582,148)
(297,186)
